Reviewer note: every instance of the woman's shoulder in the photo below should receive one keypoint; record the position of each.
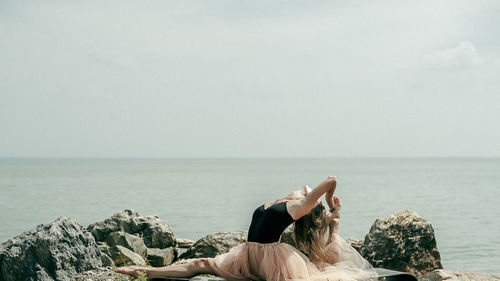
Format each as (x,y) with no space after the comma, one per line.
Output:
(298,194)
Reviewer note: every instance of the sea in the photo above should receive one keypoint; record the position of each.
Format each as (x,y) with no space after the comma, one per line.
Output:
(459,196)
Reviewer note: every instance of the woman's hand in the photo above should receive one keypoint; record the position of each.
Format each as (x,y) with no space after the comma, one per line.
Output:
(333,218)
(337,204)
(332,182)
(336,211)
(134,271)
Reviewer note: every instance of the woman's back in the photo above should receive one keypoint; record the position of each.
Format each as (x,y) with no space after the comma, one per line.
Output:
(268,223)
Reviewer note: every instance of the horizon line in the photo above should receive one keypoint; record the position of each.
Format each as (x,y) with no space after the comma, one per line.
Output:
(2,158)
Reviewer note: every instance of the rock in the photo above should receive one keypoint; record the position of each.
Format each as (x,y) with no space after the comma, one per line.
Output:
(404,242)
(57,251)
(104,248)
(448,275)
(107,260)
(184,243)
(161,257)
(155,232)
(355,243)
(99,274)
(105,254)
(215,244)
(118,222)
(128,241)
(122,256)
(41,274)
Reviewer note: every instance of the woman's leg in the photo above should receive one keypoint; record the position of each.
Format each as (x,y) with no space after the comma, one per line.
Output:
(185,270)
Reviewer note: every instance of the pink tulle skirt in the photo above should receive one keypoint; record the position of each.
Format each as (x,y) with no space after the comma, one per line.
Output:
(281,261)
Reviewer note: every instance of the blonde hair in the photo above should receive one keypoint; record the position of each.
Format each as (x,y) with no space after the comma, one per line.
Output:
(311,233)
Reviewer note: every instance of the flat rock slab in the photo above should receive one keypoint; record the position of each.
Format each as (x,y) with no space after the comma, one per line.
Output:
(122,256)
(128,241)
(184,243)
(449,275)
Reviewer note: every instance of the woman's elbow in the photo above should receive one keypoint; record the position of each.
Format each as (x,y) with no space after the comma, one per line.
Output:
(332,179)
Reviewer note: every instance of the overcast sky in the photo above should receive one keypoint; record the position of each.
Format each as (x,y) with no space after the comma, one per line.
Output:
(249,78)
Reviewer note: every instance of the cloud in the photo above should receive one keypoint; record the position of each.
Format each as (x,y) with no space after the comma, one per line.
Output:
(462,56)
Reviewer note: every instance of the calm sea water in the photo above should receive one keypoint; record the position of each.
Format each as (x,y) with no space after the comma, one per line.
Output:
(197,197)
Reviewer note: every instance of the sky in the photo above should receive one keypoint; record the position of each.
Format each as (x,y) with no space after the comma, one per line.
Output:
(175,79)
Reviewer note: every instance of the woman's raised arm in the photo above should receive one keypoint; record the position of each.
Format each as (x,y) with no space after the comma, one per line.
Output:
(305,205)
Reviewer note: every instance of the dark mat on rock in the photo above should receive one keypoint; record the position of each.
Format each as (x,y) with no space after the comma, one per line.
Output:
(392,275)
(389,275)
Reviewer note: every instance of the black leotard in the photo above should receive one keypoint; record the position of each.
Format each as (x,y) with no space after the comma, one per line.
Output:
(268,224)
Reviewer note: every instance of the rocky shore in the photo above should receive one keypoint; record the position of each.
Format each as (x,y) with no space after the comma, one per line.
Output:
(65,250)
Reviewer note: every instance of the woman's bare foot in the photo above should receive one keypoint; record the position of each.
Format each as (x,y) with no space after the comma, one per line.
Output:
(131,270)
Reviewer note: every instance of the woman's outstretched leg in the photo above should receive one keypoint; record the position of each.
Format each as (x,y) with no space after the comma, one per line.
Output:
(185,270)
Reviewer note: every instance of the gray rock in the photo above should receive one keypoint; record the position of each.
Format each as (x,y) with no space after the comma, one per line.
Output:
(404,242)
(104,248)
(448,275)
(355,243)
(161,257)
(105,254)
(100,274)
(155,232)
(215,244)
(107,260)
(128,241)
(41,274)
(122,256)
(118,222)
(184,243)
(57,251)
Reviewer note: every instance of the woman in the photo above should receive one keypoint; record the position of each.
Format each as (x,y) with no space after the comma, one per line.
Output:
(320,255)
